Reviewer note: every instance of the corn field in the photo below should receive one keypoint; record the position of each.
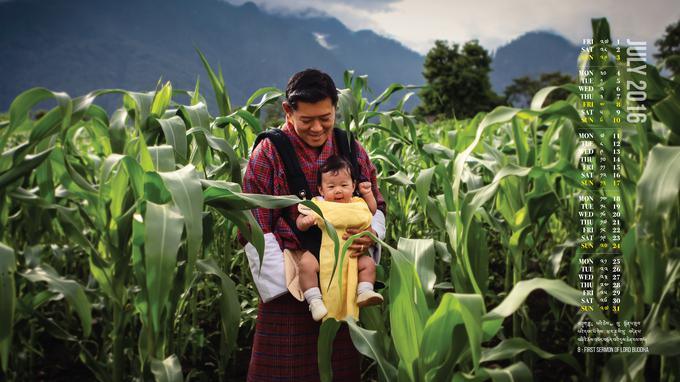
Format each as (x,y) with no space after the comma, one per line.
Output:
(119,259)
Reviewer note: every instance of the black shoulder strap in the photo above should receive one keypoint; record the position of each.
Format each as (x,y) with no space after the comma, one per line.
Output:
(297,183)
(349,152)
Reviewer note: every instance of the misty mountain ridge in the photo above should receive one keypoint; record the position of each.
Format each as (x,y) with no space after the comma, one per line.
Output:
(78,46)
(531,54)
(81,45)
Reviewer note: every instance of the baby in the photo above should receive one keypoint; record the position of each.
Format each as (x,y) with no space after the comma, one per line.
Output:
(337,182)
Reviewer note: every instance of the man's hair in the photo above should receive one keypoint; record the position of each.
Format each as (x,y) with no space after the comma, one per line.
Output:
(311,86)
(334,164)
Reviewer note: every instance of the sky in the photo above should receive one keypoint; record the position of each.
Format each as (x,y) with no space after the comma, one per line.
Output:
(418,23)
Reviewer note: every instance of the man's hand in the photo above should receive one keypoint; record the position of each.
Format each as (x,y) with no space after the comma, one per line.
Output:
(360,245)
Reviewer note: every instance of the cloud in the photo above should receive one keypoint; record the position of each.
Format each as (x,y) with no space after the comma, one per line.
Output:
(368,5)
(494,23)
(347,11)
(291,6)
(418,23)
(321,39)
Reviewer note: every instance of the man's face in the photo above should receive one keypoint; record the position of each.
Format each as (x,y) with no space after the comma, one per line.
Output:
(313,122)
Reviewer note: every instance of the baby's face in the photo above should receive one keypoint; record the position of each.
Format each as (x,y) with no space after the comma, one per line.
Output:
(337,187)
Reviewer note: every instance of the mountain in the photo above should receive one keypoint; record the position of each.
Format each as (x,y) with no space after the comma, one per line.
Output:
(531,54)
(80,45)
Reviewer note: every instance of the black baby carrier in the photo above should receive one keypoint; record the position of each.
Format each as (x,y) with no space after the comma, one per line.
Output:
(297,183)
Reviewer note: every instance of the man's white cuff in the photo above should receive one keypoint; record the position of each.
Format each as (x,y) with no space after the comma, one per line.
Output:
(378,225)
(271,279)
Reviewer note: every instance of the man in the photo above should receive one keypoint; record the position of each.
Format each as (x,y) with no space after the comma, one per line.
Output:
(285,342)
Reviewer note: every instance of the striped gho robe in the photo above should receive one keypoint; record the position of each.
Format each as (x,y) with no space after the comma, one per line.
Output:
(285,342)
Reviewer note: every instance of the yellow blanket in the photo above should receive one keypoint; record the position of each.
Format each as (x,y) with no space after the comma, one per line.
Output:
(340,303)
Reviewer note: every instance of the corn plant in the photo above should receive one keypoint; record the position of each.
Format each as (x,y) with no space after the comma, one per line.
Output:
(510,177)
(108,213)
(118,236)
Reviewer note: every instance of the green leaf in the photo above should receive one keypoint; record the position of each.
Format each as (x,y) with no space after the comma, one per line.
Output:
(657,195)
(327,331)
(498,115)
(556,288)
(24,102)
(175,134)
(168,370)
(139,104)
(249,227)
(408,310)
(423,254)
(24,167)
(75,175)
(230,308)
(162,238)
(224,198)
(369,343)
(663,342)
(268,94)
(625,367)
(195,115)
(518,372)
(8,301)
(668,111)
(154,189)
(253,122)
(163,158)
(423,184)
(478,254)
(442,344)
(221,96)
(539,98)
(222,147)
(136,175)
(399,178)
(514,346)
(658,188)
(74,292)
(439,149)
(196,95)
(349,110)
(557,253)
(117,131)
(187,193)
(138,149)
(161,100)
(386,94)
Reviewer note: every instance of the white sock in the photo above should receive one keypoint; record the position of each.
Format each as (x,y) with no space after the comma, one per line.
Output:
(364,286)
(312,294)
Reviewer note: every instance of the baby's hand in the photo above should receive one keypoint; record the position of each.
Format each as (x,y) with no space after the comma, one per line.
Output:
(305,222)
(365,188)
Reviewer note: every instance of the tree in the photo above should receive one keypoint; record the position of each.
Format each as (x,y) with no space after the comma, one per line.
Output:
(523,89)
(669,48)
(457,81)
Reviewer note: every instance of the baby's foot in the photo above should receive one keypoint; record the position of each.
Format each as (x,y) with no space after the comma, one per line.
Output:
(368,298)
(318,309)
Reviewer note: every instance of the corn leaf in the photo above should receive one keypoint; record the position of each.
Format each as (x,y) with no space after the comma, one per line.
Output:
(230,309)
(167,370)
(162,237)
(327,331)
(368,343)
(8,300)
(73,291)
